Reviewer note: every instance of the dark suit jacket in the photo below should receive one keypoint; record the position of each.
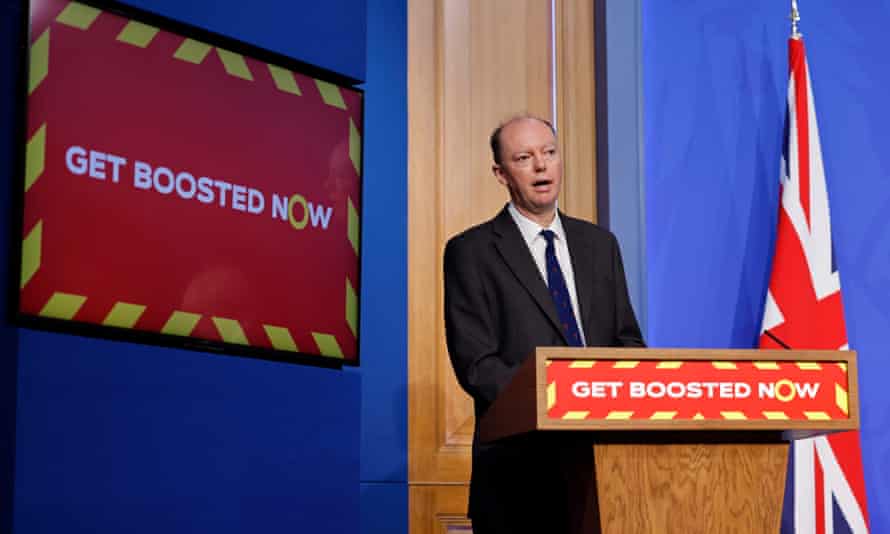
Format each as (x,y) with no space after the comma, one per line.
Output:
(498,309)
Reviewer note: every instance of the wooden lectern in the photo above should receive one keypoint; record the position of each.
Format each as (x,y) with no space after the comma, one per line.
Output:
(685,441)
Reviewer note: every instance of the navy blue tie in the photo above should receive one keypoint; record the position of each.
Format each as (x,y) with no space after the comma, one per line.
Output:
(556,282)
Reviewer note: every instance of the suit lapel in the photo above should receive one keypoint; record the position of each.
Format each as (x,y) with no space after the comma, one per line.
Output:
(582,267)
(512,248)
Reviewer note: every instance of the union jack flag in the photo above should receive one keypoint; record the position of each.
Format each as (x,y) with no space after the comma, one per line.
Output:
(826,489)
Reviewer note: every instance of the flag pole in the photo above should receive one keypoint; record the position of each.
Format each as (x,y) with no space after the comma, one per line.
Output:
(795,18)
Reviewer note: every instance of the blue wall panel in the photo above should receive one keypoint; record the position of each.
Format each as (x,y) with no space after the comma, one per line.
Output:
(715,75)
(624,209)
(116,437)
(384,471)
(384,508)
(384,248)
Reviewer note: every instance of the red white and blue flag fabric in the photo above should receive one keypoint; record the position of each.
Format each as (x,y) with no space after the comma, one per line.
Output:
(826,489)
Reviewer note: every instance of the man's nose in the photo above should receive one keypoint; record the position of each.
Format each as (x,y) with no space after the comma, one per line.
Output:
(540,162)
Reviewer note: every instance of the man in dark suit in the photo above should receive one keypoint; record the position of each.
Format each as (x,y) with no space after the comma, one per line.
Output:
(529,277)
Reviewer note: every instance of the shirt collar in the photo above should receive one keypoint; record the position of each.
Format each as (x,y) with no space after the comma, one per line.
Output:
(531,230)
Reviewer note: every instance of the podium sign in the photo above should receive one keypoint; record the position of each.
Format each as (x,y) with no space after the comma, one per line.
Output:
(703,390)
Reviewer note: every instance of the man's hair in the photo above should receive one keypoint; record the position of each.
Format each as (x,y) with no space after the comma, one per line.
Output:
(495,139)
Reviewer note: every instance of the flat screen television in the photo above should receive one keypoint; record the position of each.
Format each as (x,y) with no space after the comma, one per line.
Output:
(182,188)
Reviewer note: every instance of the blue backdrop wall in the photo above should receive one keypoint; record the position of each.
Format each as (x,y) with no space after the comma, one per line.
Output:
(113,436)
(384,430)
(715,75)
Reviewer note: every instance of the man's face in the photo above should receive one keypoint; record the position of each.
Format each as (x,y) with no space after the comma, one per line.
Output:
(530,168)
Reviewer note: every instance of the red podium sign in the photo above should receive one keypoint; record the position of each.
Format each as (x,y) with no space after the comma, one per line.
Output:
(697,390)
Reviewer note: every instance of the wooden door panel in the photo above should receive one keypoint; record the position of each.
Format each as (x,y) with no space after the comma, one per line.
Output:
(438,509)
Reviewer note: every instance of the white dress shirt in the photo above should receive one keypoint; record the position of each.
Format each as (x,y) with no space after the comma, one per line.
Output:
(537,245)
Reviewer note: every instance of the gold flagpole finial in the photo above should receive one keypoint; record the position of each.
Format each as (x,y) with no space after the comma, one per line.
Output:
(795,18)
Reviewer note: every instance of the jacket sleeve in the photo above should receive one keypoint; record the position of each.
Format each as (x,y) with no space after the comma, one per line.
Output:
(470,328)
(627,330)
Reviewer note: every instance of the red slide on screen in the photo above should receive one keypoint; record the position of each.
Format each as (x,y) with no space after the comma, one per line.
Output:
(181,188)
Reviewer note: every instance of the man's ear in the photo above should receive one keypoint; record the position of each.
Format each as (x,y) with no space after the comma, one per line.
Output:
(498,172)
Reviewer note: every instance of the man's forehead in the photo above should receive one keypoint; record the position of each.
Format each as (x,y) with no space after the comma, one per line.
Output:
(527,129)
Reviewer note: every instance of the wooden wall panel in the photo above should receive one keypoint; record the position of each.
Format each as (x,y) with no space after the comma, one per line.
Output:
(576,106)
(438,510)
(471,65)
